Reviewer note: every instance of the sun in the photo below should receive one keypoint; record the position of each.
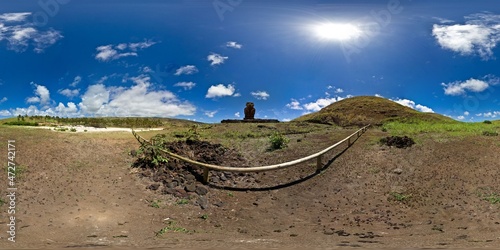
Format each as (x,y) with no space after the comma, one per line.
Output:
(337,31)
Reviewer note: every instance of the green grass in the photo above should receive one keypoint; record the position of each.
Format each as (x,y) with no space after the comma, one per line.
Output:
(2,201)
(460,129)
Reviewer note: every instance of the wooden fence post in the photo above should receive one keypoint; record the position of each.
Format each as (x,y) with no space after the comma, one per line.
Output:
(205,175)
(319,166)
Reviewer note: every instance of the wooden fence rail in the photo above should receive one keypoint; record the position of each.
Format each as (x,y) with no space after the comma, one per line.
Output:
(207,167)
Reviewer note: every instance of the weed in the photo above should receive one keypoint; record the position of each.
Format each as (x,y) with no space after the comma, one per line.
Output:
(204,217)
(278,141)
(2,202)
(230,194)
(182,202)
(401,197)
(155,204)
(171,228)
(85,130)
(73,130)
(489,195)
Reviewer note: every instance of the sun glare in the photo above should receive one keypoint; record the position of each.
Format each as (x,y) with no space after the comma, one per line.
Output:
(337,31)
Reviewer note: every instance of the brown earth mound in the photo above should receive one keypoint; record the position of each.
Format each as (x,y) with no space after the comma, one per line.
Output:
(397,141)
(182,180)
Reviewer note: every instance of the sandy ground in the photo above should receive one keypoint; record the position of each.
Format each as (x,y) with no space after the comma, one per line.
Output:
(82,129)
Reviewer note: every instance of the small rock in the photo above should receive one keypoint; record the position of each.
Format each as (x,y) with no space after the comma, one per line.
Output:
(342,233)
(172,184)
(168,191)
(202,202)
(190,177)
(219,204)
(397,171)
(153,186)
(201,190)
(190,187)
(214,179)
(133,152)
(180,193)
(328,232)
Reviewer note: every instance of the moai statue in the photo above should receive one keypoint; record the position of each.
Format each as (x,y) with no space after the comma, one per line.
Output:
(249,111)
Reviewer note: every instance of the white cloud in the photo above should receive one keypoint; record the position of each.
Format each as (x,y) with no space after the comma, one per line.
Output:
(76,81)
(411,104)
(185,85)
(461,117)
(294,104)
(3,100)
(466,113)
(423,108)
(15,17)
(460,88)
(210,114)
(33,99)
(111,52)
(5,113)
(220,91)
(260,95)
(141,45)
(479,35)
(138,100)
(186,70)
(216,59)
(42,95)
(237,114)
(67,111)
(493,114)
(94,99)
(321,103)
(19,33)
(339,90)
(234,45)
(69,93)
(378,95)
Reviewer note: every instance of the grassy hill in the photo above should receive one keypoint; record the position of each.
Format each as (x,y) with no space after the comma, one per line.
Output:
(363,110)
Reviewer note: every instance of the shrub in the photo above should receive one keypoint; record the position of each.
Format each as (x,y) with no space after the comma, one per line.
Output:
(487,122)
(73,130)
(278,141)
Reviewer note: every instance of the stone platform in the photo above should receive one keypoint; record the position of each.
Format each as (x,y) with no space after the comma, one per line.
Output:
(250,121)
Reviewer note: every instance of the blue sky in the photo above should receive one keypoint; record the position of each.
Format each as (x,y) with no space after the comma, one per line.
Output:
(204,59)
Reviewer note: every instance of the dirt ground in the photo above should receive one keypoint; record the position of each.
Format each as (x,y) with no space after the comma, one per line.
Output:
(80,190)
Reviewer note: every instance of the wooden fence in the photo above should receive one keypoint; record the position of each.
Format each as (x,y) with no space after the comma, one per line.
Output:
(207,167)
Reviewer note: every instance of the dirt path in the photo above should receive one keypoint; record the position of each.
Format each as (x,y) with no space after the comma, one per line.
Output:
(78,190)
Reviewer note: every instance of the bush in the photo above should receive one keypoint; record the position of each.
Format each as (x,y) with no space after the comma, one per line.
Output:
(73,130)
(487,122)
(278,141)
